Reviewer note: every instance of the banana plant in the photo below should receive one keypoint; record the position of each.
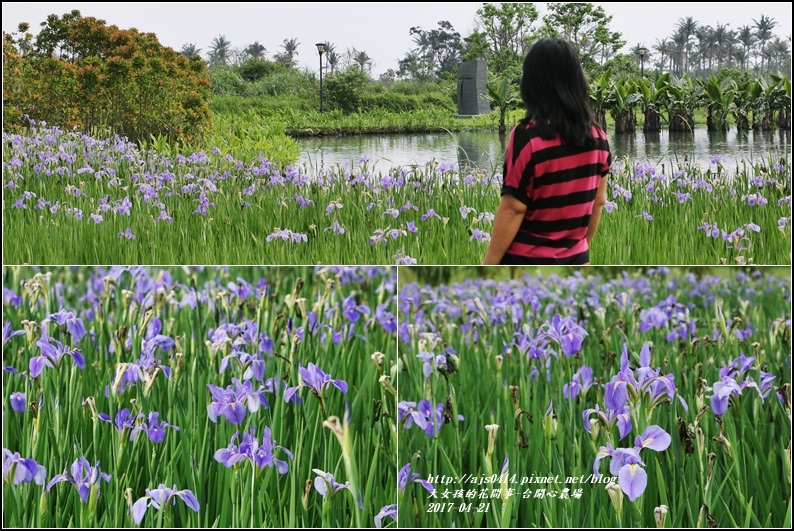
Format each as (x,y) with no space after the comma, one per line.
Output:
(600,97)
(781,100)
(504,96)
(652,101)
(623,96)
(681,97)
(745,96)
(719,96)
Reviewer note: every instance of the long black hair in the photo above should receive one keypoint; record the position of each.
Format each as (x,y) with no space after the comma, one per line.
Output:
(556,94)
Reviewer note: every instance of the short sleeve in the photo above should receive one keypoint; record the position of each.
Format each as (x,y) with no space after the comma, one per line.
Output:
(606,153)
(607,165)
(515,179)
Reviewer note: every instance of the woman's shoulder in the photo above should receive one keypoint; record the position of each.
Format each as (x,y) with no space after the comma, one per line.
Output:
(525,131)
(598,132)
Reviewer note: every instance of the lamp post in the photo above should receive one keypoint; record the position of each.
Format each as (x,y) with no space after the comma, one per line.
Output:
(642,51)
(320,50)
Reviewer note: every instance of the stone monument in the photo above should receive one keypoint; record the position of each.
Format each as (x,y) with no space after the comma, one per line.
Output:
(472,77)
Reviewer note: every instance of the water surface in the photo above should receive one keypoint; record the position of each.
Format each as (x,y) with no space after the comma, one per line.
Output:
(485,150)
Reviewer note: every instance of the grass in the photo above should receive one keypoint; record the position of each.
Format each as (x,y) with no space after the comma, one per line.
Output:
(734,471)
(256,305)
(72,199)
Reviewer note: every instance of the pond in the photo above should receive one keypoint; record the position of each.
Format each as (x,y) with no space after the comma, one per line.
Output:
(485,149)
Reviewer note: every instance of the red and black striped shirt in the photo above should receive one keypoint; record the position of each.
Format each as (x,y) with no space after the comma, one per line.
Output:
(558,184)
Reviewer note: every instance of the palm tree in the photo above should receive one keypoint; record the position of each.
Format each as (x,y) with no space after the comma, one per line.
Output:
(665,50)
(747,40)
(220,51)
(687,26)
(763,32)
(705,45)
(679,42)
(362,59)
(256,50)
(777,51)
(189,50)
(290,48)
(721,38)
(730,46)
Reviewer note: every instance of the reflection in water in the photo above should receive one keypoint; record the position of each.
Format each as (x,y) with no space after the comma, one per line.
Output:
(486,150)
(474,154)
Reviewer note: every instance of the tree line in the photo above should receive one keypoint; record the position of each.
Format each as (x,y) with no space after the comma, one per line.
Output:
(503,33)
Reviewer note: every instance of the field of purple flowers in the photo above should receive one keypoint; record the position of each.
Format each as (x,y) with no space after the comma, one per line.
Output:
(641,399)
(199,397)
(74,199)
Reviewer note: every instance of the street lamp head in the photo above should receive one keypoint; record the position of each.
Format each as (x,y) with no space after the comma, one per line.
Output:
(320,47)
(642,51)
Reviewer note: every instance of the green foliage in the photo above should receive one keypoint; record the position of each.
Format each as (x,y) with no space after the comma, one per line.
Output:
(500,34)
(622,65)
(344,90)
(437,52)
(586,26)
(226,81)
(256,68)
(504,96)
(81,73)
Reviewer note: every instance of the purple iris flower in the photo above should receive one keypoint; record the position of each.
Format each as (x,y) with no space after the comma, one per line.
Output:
(353,311)
(646,380)
(161,496)
(326,485)
(652,318)
(74,325)
(430,214)
(127,234)
(83,476)
(24,470)
(18,402)
(154,429)
(733,380)
(409,412)
(404,477)
(336,227)
(261,455)
(316,380)
(52,352)
(251,366)
(428,418)
(232,401)
(581,382)
(387,511)
(722,392)
(122,422)
(566,333)
(8,332)
(431,362)
(609,418)
(144,369)
(626,463)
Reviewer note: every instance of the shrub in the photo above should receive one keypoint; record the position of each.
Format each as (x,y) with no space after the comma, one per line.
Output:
(81,73)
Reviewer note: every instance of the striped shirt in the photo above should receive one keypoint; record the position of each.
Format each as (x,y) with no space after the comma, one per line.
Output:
(558,184)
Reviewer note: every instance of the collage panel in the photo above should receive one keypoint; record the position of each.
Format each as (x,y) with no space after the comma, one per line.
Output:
(482,265)
(594,397)
(199,397)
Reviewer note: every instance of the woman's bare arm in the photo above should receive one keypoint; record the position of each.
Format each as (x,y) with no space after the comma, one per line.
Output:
(507,221)
(595,217)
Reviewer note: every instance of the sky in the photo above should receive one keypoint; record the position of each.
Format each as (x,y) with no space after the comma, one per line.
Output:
(379,28)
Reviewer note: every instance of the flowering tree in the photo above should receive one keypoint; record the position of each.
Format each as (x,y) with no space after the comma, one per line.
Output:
(80,73)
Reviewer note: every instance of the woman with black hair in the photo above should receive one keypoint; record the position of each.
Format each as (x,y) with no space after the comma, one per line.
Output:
(556,165)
